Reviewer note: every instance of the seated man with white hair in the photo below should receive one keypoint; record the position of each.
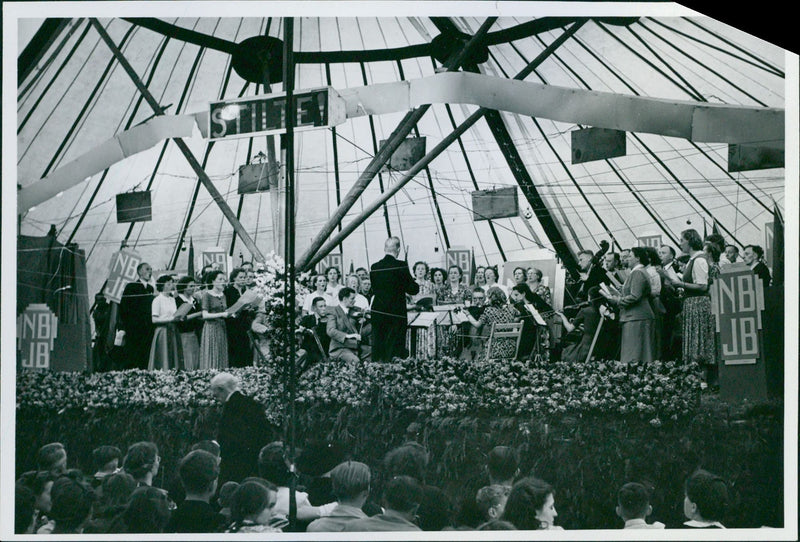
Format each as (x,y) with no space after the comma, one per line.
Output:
(243,429)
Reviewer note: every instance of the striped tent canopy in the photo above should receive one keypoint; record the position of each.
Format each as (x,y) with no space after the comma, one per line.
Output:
(73,94)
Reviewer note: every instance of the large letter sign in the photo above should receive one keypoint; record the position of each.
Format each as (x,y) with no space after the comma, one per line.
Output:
(332,260)
(217,258)
(121,271)
(37,328)
(737,299)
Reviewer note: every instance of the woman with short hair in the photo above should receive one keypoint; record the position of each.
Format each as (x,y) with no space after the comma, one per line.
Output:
(166,350)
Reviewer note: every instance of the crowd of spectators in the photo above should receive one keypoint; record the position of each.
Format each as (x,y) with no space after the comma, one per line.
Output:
(121,497)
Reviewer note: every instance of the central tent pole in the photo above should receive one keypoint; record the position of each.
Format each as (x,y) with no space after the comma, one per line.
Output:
(383,155)
(184,148)
(291,362)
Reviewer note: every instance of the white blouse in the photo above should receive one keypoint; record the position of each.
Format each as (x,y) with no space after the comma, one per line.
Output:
(163,308)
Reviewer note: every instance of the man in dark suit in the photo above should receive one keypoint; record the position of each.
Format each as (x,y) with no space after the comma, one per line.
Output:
(343,335)
(391,281)
(136,319)
(315,329)
(243,429)
(754,257)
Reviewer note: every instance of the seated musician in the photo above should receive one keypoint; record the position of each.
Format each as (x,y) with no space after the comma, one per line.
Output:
(314,327)
(343,334)
(473,342)
(535,341)
(586,323)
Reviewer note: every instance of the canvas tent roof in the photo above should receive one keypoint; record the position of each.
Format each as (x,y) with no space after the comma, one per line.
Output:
(77,96)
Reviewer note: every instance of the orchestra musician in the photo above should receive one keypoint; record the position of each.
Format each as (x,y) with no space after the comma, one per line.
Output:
(314,327)
(344,335)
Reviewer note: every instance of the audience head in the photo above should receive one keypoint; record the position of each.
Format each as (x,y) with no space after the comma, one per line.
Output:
(148,510)
(253,500)
(403,494)
(752,253)
(519,275)
(691,241)
(454,273)
(652,256)
(215,279)
(347,296)
(706,497)
(611,261)
(353,282)
(480,276)
(72,502)
(273,464)
(24,508)
(142,459)
(713,251)
(199,471)
(318,457)
(495,297)
(210,446)
(145,271)
(41,484)
(409,459)
(732,253)
(492,500)
(502,464)
(238,277)
(530,505)
(666,253)
(186,285)
(638,256)
(333,274)
(478,296)
(585,258)
(350,482)
(116,490)
(633,501)
(165,283)
(225,497)
(106,458)
(392,246)
(222,385)
(52,457)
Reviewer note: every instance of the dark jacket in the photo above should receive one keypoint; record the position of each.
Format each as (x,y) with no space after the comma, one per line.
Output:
(243,431)
(391,281)
(762,271)
(195,517)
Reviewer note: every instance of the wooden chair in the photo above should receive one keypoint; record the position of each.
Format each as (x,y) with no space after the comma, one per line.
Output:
(504,331)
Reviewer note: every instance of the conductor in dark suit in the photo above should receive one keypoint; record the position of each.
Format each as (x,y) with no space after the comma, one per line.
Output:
(136,319)
(391,281)
(243,429)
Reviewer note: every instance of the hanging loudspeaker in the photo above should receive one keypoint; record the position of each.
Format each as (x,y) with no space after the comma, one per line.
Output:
(255,178)
(597,144)
(134,207)
(410,151)
(499,203)
(753,157)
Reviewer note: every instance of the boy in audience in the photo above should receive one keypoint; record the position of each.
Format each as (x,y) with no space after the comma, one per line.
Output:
(350,481)
(199,472)
(502,465)
(491,501)
(633,507)
(224,499)
(53,458)
(402,498)
(106,462)
(706,500)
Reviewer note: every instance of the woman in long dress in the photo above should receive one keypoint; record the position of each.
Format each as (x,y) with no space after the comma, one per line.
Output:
(166,351)
(214,342)
(189,325)
(239,352)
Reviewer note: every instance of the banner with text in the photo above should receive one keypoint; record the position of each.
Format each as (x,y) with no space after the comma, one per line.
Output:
(331,260)
(37,329)
(737,299)
(121,271)
(217,258)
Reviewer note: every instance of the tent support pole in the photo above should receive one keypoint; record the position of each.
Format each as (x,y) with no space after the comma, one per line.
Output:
(438,149)
(383,155)
(184,148)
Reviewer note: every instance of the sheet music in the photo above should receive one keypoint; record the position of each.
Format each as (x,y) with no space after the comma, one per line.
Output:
(536,316)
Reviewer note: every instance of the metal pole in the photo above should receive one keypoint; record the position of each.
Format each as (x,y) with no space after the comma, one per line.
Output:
(288,86)
(383,155)
(443,144)
(187,153)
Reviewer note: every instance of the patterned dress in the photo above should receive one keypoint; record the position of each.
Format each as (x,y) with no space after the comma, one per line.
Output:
(214,342)
(504,348)
(445,295)
(698,321)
